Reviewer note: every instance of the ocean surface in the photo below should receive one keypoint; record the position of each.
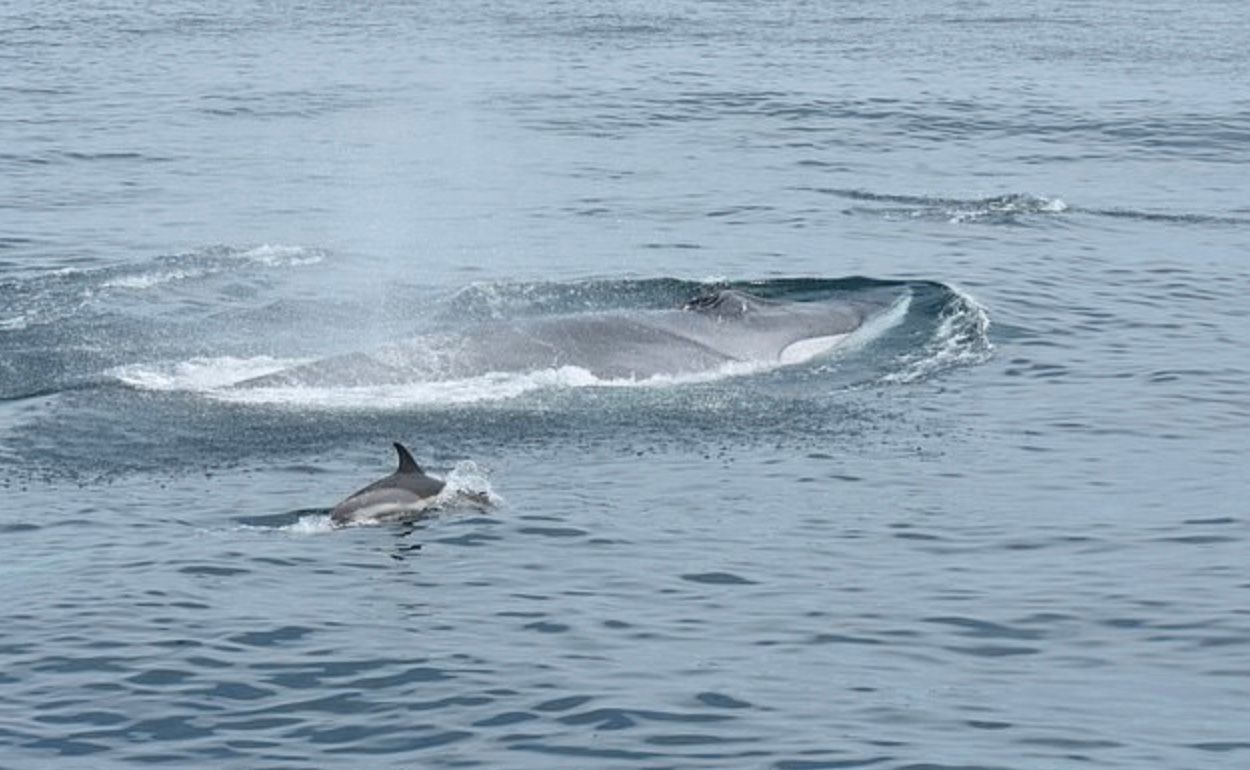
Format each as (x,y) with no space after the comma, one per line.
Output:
(1005,526)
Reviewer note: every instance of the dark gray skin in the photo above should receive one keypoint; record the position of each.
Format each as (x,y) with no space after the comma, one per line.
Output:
(710,331)
(405,490)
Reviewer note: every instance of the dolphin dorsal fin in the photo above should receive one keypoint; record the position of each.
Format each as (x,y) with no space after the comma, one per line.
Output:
(406,463)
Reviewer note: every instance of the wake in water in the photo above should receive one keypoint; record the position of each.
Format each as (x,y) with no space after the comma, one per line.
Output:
(1011,208)
(1007,209)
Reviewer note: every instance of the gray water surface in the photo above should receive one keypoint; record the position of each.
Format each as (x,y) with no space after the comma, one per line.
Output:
(1006,529)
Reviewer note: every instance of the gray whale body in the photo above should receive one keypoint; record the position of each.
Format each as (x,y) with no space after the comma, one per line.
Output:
(706,333)
(406,489)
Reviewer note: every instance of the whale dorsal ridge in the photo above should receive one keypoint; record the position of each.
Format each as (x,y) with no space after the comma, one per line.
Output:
(406,463)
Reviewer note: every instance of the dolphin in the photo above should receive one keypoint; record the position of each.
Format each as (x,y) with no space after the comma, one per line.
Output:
(407,489)
(704,335)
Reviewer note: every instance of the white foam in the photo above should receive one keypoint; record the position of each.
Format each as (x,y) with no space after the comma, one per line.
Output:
(199,374)
(1006,205)
(493,386)
(960,339)
(310,524)
(13,324)
(277,255)
(148,280)
(213,263)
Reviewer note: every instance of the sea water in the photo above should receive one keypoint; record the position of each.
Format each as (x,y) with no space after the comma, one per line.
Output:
(1007,529)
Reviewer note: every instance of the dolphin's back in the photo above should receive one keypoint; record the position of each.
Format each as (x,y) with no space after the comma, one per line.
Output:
(405,489)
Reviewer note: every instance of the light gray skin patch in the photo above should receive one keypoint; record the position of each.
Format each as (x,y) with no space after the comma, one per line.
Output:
(408,489)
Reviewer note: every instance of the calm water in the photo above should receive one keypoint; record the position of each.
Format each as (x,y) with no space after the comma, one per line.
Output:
(1007,528)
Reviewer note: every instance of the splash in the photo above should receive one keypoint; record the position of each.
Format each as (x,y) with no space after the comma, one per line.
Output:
(960,338)
(310,524)
(468,485)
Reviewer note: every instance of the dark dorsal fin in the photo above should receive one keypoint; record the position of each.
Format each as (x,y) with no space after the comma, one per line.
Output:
(406,463)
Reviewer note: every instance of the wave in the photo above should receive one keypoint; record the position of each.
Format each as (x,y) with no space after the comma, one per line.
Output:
(209,263)
(1170,218)
(960,338)
(61,328)
(1009,208)
(13,323)
(53,296)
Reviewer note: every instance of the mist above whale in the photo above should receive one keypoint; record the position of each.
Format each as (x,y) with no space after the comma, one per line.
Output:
(705,334)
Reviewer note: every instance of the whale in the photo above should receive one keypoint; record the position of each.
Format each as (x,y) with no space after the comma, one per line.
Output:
(709,333)
(407,490)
